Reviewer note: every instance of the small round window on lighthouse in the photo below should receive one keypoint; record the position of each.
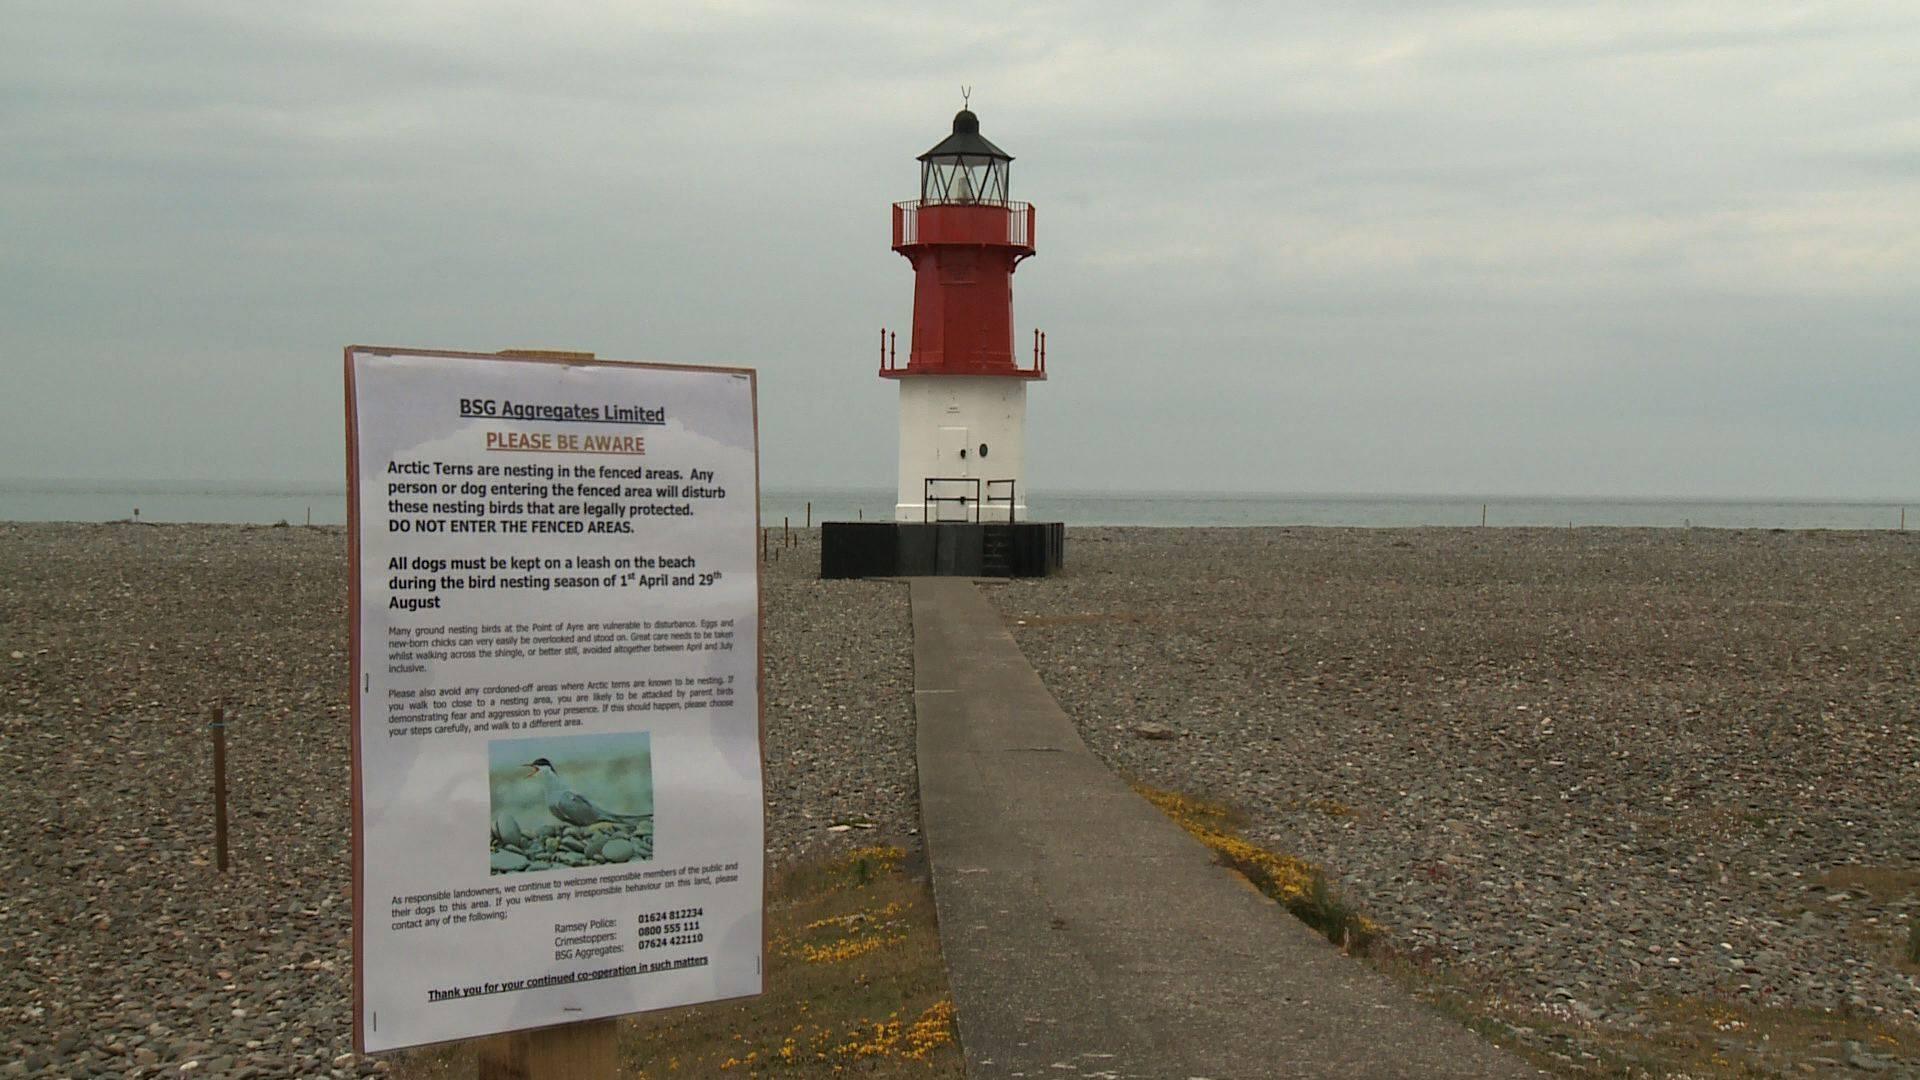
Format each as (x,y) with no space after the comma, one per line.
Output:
(983,449)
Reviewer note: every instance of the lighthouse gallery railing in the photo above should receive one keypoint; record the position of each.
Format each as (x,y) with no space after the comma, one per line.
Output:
(906,221)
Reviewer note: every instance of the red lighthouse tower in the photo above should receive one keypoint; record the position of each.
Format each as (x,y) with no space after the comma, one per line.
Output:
(961,507)
(962,394)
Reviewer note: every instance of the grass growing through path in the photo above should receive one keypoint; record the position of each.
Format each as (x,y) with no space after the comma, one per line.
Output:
(856,985)
(1299,886)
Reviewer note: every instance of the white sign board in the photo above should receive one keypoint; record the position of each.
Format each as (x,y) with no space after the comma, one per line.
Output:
(558,808)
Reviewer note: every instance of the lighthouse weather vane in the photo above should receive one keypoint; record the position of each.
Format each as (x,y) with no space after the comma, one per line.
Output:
(965,93)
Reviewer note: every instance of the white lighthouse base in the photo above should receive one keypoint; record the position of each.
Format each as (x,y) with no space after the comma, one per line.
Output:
(956,430)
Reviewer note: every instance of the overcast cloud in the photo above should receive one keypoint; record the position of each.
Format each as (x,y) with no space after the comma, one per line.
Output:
(1423,247)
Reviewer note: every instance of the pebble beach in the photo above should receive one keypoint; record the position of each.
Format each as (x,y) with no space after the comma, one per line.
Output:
(1599,775)
(1597,769)
(124,952)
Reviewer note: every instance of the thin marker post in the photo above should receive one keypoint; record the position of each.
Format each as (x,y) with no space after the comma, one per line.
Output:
(218,726)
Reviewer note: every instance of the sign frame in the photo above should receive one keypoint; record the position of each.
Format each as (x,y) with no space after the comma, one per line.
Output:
(359,675)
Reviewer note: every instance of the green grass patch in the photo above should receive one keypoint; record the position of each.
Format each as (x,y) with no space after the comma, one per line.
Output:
(1704,1038)
(1883,883)
(855,985)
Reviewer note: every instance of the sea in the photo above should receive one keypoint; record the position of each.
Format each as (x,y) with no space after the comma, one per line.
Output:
(322,504)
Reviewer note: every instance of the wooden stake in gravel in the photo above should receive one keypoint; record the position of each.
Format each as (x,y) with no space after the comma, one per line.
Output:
(585,1050)
(219,729)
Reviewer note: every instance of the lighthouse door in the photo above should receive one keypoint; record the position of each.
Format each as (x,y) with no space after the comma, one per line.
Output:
(955,461)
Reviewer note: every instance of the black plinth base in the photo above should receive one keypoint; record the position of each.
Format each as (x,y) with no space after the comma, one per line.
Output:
(851,549)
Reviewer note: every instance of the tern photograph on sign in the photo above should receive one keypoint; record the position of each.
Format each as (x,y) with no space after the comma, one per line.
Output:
(561,802)
(555,620)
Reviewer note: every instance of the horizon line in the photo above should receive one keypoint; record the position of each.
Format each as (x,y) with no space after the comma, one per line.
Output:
(259,486)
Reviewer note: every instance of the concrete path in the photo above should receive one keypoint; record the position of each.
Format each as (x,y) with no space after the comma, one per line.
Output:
(1087,935)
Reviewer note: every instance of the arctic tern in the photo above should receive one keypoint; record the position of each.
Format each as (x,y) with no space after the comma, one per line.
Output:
(572,807)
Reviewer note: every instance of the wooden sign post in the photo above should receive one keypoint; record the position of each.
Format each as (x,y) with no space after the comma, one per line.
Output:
(585,1051)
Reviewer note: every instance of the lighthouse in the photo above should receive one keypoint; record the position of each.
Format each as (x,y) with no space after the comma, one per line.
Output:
(961,502)
(963,395)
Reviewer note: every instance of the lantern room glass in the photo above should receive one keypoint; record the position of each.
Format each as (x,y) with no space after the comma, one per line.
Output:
(963,178)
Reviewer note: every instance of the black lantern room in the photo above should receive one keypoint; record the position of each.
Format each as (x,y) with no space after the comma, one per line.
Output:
(964,168)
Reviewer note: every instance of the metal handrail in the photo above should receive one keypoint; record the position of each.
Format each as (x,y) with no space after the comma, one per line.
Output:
(928,498)
(1011,501)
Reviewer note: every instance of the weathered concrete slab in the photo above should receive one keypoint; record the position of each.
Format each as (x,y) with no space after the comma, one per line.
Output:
(1088,935)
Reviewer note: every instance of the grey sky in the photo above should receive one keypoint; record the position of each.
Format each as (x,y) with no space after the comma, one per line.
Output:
(1638,249)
